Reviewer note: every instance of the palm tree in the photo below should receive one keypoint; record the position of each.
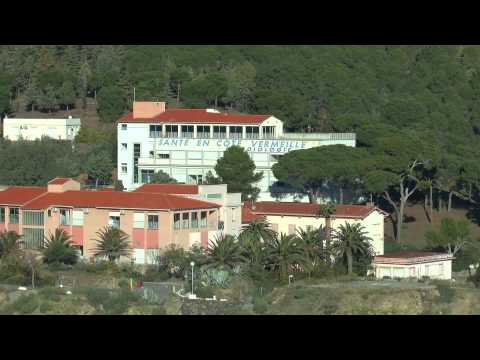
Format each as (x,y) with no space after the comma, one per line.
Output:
(252,249)
(313,243)
(112,243)
(286,252)
(326,211)
(259,229)
(58,248)
(225,251)
(350,240)
(9,243)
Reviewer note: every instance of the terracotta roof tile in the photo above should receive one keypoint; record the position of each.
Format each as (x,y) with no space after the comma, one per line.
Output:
(408,254)
(19,195)
(58,181)
(168,188)
(193,116)
(117,200)
(248,215)
(306,209)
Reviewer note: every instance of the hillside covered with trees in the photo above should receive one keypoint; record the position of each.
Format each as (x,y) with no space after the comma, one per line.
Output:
(415,109)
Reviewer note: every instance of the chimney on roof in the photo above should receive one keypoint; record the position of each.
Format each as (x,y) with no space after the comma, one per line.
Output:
(148,109)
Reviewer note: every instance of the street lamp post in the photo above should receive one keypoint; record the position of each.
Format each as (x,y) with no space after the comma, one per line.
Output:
(192,264)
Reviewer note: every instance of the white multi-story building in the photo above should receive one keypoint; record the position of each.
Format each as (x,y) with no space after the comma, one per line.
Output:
(186,143)
(32,129)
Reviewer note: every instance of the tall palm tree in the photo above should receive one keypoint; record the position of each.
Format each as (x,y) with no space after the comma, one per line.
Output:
(286,252)
(224,252)
(259,229)
(58,248)
(112,243)
(327,211)
(9,243)
(313,243)
(252,249)
(351,239)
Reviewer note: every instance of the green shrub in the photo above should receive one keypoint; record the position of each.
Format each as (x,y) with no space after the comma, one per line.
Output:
(475,278)
(159,310)
(154,275)
(46,279)
(97,297)
(124,284)
(98,268)
(117,303)
(204,292)
(45,307)
(25,304)
(51,293)
(447,293)
(260,305)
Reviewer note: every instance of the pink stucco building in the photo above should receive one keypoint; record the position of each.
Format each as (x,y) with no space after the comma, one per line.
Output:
(152,220)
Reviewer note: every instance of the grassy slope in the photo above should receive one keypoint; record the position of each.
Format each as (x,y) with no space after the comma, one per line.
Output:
(413,232)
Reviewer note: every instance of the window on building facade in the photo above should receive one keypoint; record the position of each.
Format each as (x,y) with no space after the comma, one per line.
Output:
(77,217)
(171,131)
(124,168)
(214,196)
(124,126)
(252,132)
(13,215)
(163,156)
(124,146)
(146,176)
(34,218)
(203,132)
(176,221)
(65,217)
(194,220)
(203,219)
(114,221)
(33,238)
(155,131)
(138,220)
(185,220)
(136,155)
(219,132)
(153,222)
(187,131)
(195,179)
(268,132)
(2,215)
(236,132)
(151,154)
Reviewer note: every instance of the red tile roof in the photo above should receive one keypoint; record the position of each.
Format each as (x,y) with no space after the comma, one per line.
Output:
(248,215)
(58,181)
(193,116)
(168,188)
(306,209)
(19,195)
(117,200)
(411,257)
(408,254)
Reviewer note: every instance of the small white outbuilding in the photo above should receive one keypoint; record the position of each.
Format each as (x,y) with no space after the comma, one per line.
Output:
(408,264)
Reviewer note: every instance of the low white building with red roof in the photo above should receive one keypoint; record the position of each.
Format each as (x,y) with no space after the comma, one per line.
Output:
(186,143)
(413,264)
(288,217)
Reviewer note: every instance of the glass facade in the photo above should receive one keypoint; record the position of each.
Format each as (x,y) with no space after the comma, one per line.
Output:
(33,238)
(33,218)
(13,215)
(153,222)
(136,155)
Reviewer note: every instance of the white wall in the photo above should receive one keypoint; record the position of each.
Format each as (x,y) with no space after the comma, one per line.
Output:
(430,269)
(373,223)
(32,129)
